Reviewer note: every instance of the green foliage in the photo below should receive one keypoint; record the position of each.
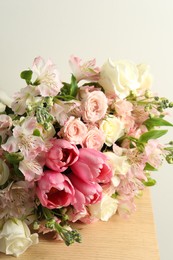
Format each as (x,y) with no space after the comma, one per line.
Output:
(153,134)
(13,158)
(69,91)
(149,182)
(156,121)
(149,167)
(26,75)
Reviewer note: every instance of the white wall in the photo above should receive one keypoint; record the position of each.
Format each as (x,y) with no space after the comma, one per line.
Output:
(139,30)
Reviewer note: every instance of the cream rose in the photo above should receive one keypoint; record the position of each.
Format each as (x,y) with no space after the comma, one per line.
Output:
(119,78)
(15,237)
(113,128)
(4,172)
(105,209)
(119,164)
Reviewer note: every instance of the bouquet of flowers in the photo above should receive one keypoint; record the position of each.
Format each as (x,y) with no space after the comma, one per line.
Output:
(77,151)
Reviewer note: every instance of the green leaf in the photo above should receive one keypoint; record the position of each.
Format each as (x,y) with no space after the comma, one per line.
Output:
(149,167)
(153,134)
(36,132)
(26,75)
(149,182)
(69,91)
(0,139)
(14,157)
(74,86)
(156,121)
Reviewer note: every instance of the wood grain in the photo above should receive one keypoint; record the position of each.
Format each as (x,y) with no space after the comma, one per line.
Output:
(117,239)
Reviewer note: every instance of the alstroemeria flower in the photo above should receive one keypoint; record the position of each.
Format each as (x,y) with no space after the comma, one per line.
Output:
(47,76)
(84,70)
(25,97)
(24,140)
(31,169)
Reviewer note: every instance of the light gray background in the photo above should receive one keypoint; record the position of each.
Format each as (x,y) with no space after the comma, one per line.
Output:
(138,30)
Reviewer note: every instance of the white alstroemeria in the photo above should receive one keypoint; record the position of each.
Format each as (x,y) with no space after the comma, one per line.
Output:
(24,140)
(15,237)
(31,169)
(119,164)
(25,97)
(47,76)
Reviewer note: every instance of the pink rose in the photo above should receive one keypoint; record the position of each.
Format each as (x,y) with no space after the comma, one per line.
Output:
(86,193)
(94,106)
(61,155)
(92,166)
(94,139)
(55,190)
(73,131)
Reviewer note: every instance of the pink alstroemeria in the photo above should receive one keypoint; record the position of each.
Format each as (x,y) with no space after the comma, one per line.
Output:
(154,152)
(24,140)
(47,77)
(84,70)
(31,169)
(23,98)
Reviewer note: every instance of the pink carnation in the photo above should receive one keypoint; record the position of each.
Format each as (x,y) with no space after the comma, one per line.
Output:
(61,155)
(55,190)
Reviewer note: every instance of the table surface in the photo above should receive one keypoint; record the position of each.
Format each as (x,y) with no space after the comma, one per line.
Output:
(117,239)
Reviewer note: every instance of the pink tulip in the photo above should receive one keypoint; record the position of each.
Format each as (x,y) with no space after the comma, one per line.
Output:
(55,190)
(92,166)
(85,192)
(61,155)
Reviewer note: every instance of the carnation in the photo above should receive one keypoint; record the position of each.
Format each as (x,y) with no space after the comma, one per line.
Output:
(81,150)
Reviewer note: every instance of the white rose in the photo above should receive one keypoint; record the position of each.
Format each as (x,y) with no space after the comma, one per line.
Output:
(4,172)
(113,128)
(119,78)
(119,164)
(2,107)
(15,237)
(145,78)
(5,99)
(105,209)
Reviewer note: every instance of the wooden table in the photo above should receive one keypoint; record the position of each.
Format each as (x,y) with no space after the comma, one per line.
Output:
(118,239)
